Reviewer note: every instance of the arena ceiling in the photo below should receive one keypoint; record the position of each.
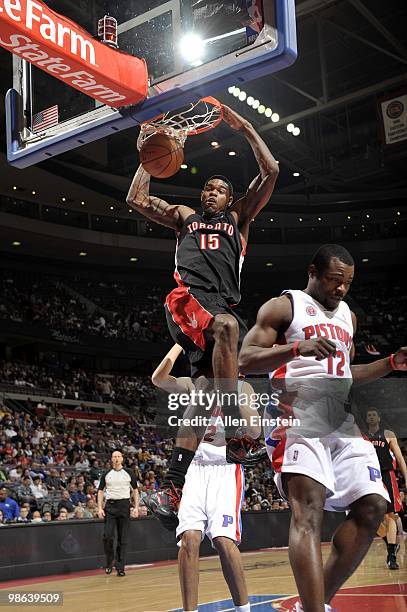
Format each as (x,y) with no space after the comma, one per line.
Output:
(351,53)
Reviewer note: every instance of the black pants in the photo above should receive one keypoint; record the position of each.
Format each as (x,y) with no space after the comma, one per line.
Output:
(117,517)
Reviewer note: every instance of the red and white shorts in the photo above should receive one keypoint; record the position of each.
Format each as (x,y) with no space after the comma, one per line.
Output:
(347,467)
(211,501)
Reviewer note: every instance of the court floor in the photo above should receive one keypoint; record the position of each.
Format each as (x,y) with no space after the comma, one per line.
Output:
(154,587)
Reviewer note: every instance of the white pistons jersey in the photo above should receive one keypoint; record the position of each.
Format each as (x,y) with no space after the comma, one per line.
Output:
(312,320)
(212,449)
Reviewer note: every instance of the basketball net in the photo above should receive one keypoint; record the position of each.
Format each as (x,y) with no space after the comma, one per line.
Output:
(198,117)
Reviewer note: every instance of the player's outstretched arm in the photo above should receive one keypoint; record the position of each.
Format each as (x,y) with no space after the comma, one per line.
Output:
(396,450)
(162,377)
(153,208)
(368,372)
(262,187)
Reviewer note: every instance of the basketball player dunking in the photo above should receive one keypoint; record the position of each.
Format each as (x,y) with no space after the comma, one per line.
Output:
(212,497)
(304,339)
(386,445)
(209,256)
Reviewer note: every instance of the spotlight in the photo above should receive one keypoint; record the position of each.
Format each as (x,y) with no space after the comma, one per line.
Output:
(296,174)
(231,89)
(82,254)
(133,258)
(184,166)
(365,260)
(261,109)
(275,117)
(290,127)
(296,131)
(214,143)
(232,153)
(299,218)
(242,96)
(268,112)
(250,100)
(269,264)
(63,199)
(82,203)
(192,48)
(236,93)
(256,104)
(33,192)
(16,243)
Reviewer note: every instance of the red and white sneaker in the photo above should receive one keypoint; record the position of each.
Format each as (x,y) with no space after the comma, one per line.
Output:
(164,504)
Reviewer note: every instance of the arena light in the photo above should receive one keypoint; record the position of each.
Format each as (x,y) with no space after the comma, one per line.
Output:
(268,112)
(232,153)
(250,100)
(272,220)
(111,207)
(300,219)
(242,96)
(236,92)
(33,192)
(367,216)
(82,254)
(82,203)
(348,217)
(296,131)
(319,219)
(184,166)
(290,127)
(398,213)
(275,117)
(130,210)
(231,89)
(16,243)
(214,144)
(296,174)
(256,104)
(14,187)
(63,199)
(192,48)
(133,258)
(269,264)
(261,109)
(365,260)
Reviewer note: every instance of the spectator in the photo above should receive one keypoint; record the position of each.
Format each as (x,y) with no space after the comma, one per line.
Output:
(24,491)
(9,507)
(52,480)
(66,503)
(36,518)
(62,514)
(39,490)
(24,516)
(2,519)
(47,516)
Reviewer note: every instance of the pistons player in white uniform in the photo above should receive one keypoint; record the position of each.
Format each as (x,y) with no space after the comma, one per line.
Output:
(304,339)
(212,496)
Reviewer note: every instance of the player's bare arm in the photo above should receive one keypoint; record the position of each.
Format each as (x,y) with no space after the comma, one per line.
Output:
(260,353)
(367,372)
(262,187)
(163,379)
(155,209)
(396,450)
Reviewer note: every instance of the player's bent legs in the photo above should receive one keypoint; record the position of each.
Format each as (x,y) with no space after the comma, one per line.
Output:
(352,541)
(307,499)
(224,329)
(188,568)
(232,568)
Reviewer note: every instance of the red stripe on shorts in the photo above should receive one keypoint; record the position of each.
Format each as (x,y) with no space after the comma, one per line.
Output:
(190,316)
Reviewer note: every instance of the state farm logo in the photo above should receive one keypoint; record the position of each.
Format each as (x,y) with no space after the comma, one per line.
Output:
(311,311)
(395,109)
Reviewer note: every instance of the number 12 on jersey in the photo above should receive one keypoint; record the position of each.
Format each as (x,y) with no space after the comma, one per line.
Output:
(209,241)
(335,365)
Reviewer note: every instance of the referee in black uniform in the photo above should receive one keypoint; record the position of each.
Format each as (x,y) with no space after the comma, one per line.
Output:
(116,486)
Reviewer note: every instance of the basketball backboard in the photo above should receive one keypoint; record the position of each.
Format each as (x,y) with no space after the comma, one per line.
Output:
(192,48)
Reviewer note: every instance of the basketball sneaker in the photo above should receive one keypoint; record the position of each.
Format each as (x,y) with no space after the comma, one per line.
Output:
(164,504)
(392,562)
(245,450)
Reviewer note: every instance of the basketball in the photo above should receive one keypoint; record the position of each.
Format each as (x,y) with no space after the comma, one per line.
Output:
(161,156)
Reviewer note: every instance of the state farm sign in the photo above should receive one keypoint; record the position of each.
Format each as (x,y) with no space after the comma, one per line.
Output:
(59,46)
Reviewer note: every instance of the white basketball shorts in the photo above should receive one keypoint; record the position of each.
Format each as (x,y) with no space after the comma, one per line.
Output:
(211,501)
(347,467)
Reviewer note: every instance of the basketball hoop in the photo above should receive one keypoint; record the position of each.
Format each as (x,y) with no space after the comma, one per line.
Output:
(198,117)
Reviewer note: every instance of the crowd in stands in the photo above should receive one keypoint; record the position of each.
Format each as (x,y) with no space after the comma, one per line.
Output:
(133,310)
(50,468)
(76,384)
(124,312)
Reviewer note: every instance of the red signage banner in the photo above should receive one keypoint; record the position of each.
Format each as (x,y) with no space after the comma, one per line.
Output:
(66,51)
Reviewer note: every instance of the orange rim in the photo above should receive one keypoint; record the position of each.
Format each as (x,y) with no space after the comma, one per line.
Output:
(209,100)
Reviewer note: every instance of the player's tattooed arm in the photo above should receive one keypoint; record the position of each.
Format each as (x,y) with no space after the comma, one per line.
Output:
(262,187)
(154,208)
